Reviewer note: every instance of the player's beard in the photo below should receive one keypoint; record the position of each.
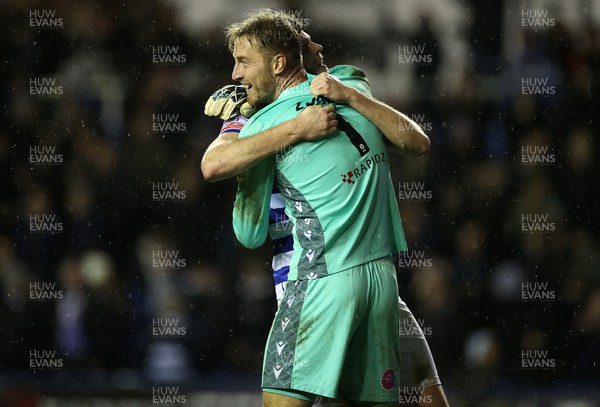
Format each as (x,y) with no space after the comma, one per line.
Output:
(262,91)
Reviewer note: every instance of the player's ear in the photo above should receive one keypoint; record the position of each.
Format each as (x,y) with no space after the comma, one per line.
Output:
(278,63)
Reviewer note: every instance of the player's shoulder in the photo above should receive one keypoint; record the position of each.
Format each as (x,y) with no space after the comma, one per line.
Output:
(347,71)
(352,76)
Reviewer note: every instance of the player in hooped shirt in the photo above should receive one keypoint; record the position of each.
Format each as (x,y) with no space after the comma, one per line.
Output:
(417,369)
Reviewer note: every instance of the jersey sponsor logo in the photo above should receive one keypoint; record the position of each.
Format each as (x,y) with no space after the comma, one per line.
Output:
(308,234)
(348,177)
(284,323)
(298,206)
(277,371)
(310,254)
(388,378)
(280,346)
(367,165)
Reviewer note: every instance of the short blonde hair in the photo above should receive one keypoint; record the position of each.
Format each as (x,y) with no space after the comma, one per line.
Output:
(274,31)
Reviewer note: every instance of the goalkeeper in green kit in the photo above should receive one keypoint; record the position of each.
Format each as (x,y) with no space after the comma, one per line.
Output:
(320,257)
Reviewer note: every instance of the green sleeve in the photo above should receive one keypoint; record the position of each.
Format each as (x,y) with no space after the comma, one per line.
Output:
(252,202)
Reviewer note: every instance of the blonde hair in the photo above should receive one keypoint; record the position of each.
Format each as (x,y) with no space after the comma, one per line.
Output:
(274,31)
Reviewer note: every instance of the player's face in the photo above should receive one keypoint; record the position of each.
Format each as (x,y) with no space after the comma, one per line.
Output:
(252,70)
(312,59)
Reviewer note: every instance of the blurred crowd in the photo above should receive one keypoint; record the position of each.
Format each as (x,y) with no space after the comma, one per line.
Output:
(111,231)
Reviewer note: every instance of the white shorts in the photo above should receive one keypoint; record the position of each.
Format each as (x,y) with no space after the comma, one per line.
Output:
(417,368)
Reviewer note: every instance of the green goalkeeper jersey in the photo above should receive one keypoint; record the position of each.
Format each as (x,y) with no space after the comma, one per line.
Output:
(338,190)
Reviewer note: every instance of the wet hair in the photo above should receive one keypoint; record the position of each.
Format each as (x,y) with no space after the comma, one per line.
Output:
(274,31)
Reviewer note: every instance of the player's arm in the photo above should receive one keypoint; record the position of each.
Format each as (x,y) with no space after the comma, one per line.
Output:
(252,202)
(405,135)
(228,155)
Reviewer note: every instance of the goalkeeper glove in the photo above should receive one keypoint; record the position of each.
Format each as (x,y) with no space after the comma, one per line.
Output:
(228,102)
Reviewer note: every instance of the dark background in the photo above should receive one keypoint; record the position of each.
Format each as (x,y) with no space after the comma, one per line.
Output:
(468,292)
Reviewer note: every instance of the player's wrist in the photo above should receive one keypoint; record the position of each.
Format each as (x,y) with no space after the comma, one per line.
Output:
(352,97)
(295,131)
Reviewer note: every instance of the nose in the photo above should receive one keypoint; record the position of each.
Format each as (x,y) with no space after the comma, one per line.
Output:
(236,74)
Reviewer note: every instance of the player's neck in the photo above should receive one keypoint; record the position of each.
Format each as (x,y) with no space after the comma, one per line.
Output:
(293,77)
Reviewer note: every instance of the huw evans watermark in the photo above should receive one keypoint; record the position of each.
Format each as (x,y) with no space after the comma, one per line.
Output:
(45,223)
(168,123)
(414,55)
(414,396)
(537,155)
(537,87)
(168,328)
(167,191)
(170,396)
(413,328)
(283,224)
(536,291)
(413,192)
(537,19)
(168,55)
(44,155)
(44,291)
(414,259)
(286,359)
(45,87)
(537,360)
(537,223)
(419,119)
(45,19)
(168,259)
(44,360)
(297,15)
(289,155)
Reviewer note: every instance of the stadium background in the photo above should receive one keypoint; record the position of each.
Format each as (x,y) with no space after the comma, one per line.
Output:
(120,275)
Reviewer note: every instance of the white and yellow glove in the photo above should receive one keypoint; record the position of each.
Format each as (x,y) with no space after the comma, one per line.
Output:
(228,102)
